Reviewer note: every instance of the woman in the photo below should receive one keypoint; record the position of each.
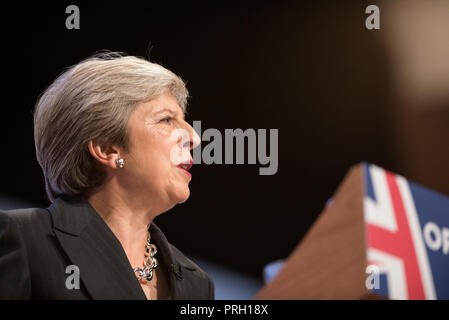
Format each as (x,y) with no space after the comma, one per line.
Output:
(114,148)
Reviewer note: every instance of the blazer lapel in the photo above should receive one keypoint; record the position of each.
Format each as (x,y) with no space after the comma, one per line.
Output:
(104,268)
(183,276)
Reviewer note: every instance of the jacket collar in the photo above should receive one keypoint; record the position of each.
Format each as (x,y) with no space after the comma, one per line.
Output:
(104,267)
(75,223)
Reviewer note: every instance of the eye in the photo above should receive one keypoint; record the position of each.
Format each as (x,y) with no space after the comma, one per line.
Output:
(166,119)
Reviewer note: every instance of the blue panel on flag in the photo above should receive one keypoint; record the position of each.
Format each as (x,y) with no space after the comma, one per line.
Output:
(383,286)
(368,183)
(433,208)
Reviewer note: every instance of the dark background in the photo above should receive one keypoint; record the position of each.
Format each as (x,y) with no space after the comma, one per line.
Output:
(310,69)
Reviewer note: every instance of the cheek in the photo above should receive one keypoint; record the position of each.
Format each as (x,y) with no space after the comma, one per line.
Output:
(155,152)
(166,147)
(152,148)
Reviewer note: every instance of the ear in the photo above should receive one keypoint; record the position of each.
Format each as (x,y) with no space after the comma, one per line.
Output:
(105,154)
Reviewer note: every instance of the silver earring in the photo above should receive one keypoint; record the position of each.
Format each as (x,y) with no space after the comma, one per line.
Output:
(120,163)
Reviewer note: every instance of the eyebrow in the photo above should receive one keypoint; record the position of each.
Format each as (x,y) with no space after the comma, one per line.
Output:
(165,109)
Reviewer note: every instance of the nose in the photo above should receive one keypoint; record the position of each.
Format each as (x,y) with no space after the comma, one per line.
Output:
(194,139)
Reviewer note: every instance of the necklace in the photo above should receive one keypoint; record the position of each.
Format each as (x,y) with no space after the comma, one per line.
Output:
(149,262)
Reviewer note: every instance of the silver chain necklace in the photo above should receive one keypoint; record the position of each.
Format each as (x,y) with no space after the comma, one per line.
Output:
(149,262)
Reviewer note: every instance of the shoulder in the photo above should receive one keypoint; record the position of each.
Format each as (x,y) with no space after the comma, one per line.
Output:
(36,218)
(14,259)
(25,216)
(33,226)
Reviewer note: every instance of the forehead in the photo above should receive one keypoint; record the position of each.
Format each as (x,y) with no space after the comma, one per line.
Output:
(163,103)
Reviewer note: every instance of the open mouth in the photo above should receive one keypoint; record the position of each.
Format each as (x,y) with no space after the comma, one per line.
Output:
(186,167)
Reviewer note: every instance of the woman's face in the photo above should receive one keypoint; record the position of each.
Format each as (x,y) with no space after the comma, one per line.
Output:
(160,142)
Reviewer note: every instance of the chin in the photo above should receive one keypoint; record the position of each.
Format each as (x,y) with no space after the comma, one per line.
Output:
(182,195)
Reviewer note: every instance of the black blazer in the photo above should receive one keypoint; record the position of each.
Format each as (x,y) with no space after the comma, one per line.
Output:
(37,245)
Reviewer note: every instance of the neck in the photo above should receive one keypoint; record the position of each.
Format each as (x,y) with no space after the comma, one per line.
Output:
(129,220)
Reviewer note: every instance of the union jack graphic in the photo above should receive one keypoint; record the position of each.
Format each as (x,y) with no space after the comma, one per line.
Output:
(396,212)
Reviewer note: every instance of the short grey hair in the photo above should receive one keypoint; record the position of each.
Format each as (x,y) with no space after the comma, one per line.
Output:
(93,100)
